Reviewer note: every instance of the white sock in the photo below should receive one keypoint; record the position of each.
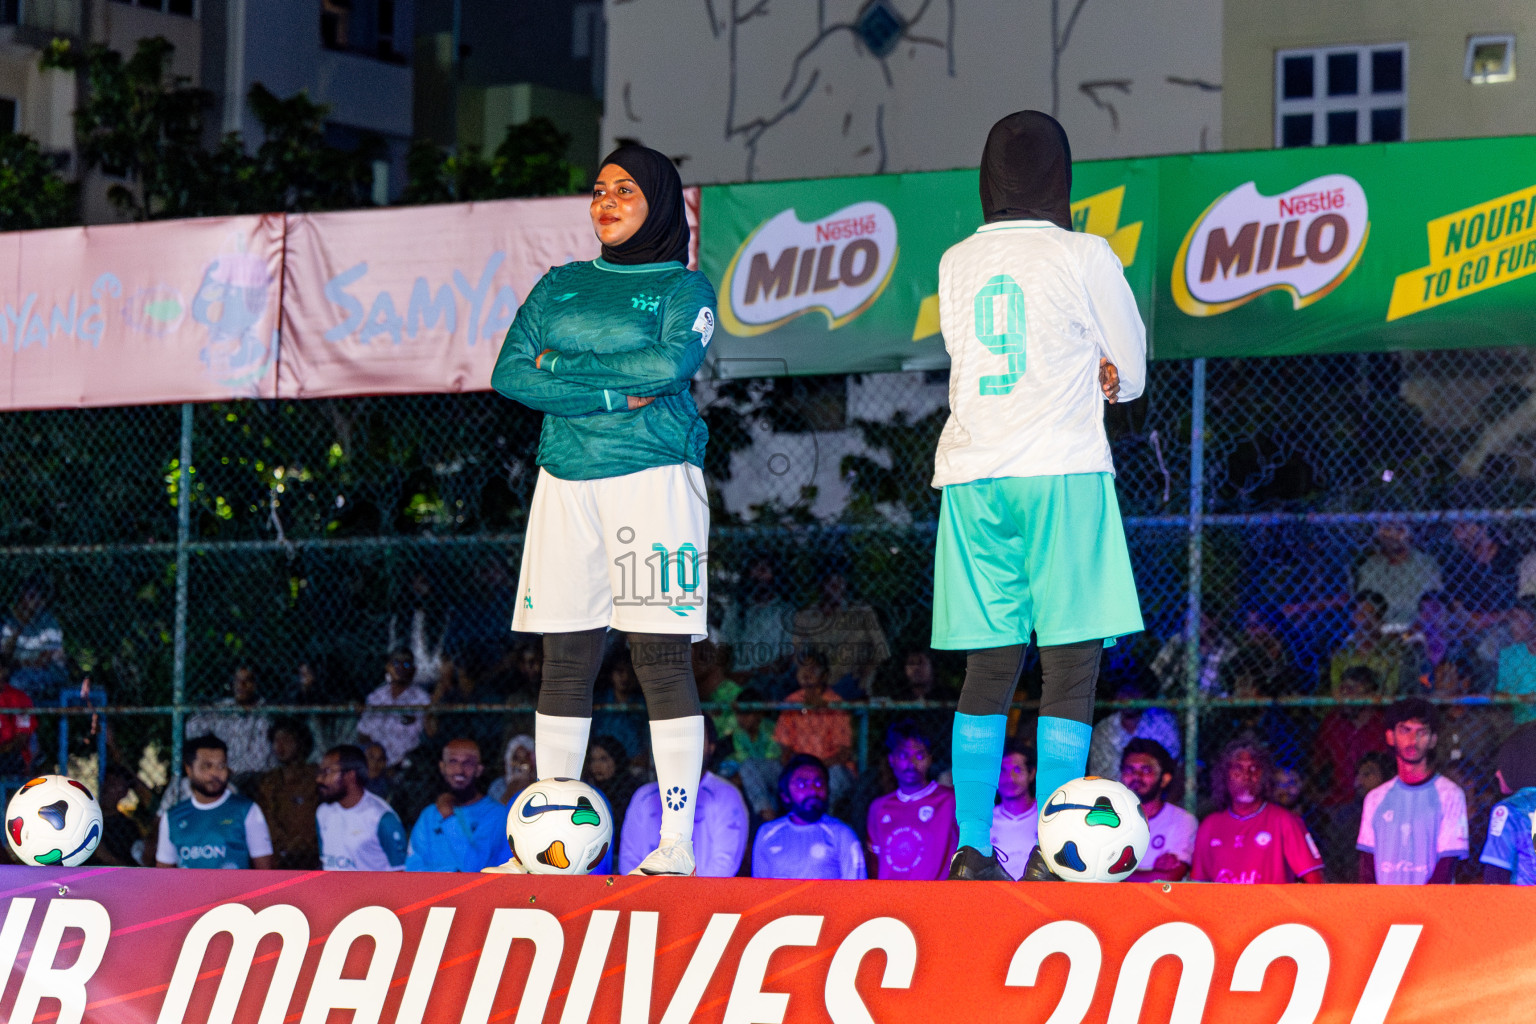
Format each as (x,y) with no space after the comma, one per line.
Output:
(677,744)
(559,745)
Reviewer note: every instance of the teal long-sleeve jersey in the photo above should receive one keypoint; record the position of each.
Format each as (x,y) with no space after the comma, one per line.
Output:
(612,331)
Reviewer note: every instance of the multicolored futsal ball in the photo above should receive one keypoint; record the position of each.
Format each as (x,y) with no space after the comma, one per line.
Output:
(1093,830)
(53,821)
(559,827)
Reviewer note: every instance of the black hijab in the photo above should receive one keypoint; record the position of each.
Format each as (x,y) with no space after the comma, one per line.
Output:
(664,235)
(1026,170)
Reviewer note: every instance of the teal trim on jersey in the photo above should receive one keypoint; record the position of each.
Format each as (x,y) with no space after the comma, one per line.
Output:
(210,838)
(1043,555)
(610,338)
(636,268)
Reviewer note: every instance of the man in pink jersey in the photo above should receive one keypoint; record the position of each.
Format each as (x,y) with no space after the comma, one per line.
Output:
(912,832)
(1249,839)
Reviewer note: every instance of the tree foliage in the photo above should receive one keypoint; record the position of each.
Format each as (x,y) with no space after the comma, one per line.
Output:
(32,193)
(140,122)
(529,162)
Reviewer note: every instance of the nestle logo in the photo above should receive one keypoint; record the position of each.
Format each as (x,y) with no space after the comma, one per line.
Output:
(849,227)
(1312,202)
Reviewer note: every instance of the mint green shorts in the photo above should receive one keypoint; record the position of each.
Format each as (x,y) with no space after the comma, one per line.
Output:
(1043,555)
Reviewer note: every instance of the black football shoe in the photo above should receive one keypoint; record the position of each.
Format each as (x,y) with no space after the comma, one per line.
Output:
(970,864)
(1037,870)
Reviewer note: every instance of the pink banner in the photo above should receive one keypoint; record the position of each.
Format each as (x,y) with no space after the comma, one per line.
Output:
(412,300)
(137,314)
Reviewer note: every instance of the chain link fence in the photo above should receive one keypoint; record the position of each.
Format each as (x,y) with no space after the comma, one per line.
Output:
(297,544)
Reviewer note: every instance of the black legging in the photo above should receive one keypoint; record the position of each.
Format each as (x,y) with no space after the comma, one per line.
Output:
(1070,674)
(663,664)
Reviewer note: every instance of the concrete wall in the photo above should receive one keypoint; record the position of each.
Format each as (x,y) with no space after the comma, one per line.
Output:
(743,90)
(1441,103)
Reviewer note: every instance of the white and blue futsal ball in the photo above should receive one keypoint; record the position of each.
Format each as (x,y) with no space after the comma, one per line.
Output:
(559,827)
(53,821)
(1093,830)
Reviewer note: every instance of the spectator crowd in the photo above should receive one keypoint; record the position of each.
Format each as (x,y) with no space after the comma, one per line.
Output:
(805,699)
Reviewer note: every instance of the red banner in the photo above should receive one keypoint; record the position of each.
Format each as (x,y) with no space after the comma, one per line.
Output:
(118,945)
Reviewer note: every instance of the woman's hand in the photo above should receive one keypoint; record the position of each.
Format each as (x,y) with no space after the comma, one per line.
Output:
(638,403)
(1109,381)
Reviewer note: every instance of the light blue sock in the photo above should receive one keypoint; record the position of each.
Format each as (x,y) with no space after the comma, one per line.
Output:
(977,753)
(1062,750)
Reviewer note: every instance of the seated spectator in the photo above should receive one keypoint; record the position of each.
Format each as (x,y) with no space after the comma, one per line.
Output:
(912,831)
(756,627)
(712,674)
(1146,769)
(1413,828)
(1263,663)
(1249,839)
(618,684)
(806,842)
(1280,729)
(517,770)
(755,754)
(122,840)
(458,687)
(398,732)
(816,727)
(243,729)
(287,793)
(1216,653)
(719,823)
(1016,816)
(358,830)
(1517,662)
(1469,733)
(1433,639)
(307,686)
(610,773)
(1481,571)
(216,828)
(1118,728)
(919,684)
(846,634)
(1347,733)
(32,639)
(1509,854)
(1382,652)
(464,830)
(16,730)
(381,777)
(1399,572)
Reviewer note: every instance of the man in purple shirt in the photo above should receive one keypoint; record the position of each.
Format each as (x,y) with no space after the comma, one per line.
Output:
(912,832)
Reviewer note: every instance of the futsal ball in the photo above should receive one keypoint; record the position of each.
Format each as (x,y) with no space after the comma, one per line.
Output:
(1093,830)
(53,821)
(559,827)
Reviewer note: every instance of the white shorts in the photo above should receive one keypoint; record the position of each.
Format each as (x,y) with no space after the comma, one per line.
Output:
(624,551)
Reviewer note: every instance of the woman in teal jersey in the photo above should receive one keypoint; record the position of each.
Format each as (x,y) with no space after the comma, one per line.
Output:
(619,523)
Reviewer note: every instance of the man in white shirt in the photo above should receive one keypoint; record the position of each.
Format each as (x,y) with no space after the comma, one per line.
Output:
(398,732)
(1041,329)
(358,831)
(1118,728)
(807,842)
(243,731)
(1015,819)
(1146,769)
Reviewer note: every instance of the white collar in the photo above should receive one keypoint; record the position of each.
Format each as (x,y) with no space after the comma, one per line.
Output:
(920,794)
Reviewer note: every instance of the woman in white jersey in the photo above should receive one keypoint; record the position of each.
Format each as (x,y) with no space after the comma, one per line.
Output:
(1041,329)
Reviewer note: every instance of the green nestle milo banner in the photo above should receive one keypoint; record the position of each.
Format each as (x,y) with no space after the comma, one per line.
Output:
(1343,249)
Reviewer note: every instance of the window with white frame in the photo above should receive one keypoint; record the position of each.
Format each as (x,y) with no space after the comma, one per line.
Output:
(1340,95)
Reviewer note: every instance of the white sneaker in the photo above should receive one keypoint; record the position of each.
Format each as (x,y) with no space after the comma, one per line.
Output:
(674,858)
(511,867)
